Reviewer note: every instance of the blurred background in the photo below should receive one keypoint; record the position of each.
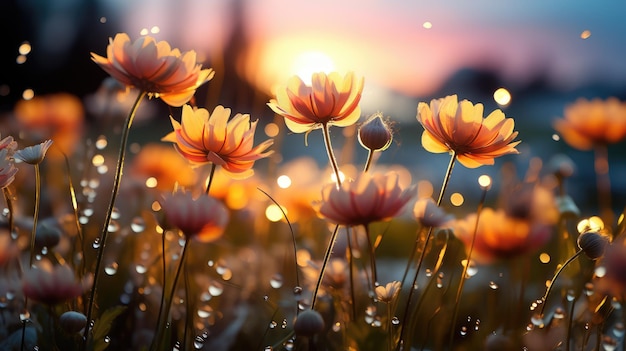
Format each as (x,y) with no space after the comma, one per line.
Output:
(544,55)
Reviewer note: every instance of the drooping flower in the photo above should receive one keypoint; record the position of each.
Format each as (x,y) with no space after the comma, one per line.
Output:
(33,154)
(367,199)
(52,284)
(202,218)
(330,100)
(202,138)
(459,127)
(500,236)
(589,122)
(154,67)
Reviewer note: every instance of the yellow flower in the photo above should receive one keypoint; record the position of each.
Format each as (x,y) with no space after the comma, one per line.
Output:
(450,126)
(154,67)
(330,100)
(202,138)
(587,123)
(369,198)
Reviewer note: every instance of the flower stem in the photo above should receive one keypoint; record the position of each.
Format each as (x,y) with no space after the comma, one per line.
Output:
(601,167)
(9,203)
(331,154)
(36,214)
(372,259)
(168,303)
(208,186)
(544,299)
(465,268)
(368,163)
(164,276)
(329,250)
(107,220)
(444,185)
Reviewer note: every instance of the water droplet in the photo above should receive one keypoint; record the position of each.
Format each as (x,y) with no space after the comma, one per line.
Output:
(619,330)
(216,288)
(276,281)
(571,295)
(609,343)
(107,339)
(337,327)
(10,295)
(297,290)
(493,285)
(176,346)
(198,343)
(141,269)
(589,289)
(115,214)
(463,331)
(440,280)
(220,267)
(138,225)
(14,235)
(204,311)
(477,325)
(537,320)
(113,226)
(288,345)
(96,243)
(24,316)
(111,268)
(429,273)
(273,324)
(395,321)
(268,348)
(44,250)
(284,324)
(559,313)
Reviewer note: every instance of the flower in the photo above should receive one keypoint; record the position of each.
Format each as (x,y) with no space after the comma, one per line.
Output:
(389,292)
(33,154)
(428,214)
(52,284)
(163,164)
(308,323)
(375,134)
(72,321)
(202,138)
(330,100)
(202,218)
(58,116)
(459,128)
(369,198)
(500,236)
(7,168)
(586,123)
(154,67)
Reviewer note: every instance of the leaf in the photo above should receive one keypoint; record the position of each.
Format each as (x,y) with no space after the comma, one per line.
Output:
(102,327)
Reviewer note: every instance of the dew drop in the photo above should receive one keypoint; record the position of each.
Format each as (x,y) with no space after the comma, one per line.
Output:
(273,324)
(463,331)
(440,280)
(493,285)
(337,327)
(141,269)
(537,320)
(571,295)
(96,243)
(44,250)
(107,339)
(115,214)
(276,281)
(198,343)
(297,290)
(619,330)
(288,345)
(589,289)
(395,321)
(113,226)
(24,316)
(138,225)
(111,268)
(268,348)
(216,288)
(204,311)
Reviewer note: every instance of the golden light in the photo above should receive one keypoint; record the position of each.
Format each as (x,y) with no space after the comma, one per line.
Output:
(544,258)
(427,25)
(309,62)
(333,177)
(556,137)
(155,29)
(28,94)
(283,181)
(151,182)
(103,20)
(424,189)
(271,129)
(236,197)
(25,48)
(457,199)
(591,224)
(97,160)
(585,34)
(502,96)
(101,142)
(20,59)
(484,181)
(274,213)
(156,206)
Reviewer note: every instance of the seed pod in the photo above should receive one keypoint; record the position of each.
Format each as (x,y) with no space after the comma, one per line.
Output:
(308,323)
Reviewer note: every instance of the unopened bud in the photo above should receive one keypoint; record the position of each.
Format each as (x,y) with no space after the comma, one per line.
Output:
(593,244)
(308,323)
(375,134)
(72,322)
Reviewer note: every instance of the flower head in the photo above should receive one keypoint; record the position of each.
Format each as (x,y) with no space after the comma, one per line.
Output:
(389,292)
(202,138)
(369,198)
(429,214)
(202,218)
(375,134)
(154,67)
(7,168)
(500,236)
(33,154)
(330,100)
(52,284)
(587,123)
(459,128)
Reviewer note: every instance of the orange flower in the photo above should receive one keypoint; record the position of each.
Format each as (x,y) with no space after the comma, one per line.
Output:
(202,218)
(330,100)
(500,236)
(450,126)
(202,138)
(587,123)
(52,284)
(165,165)
(154,67)
(369,198)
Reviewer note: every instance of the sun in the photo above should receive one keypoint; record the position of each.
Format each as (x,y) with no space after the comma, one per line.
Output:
(309,62)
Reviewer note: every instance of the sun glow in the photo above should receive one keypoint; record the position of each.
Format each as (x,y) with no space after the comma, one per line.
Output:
(309,62)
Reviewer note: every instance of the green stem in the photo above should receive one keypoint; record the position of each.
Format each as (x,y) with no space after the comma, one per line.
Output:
(465,268)
(329,151)
(168,304)
(35,215)
(444,186)
(544,299)
(329,250)
(107,220)
(208,186)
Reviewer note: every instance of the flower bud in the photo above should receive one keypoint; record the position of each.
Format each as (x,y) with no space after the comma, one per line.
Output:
(375,134)
(48,233)
(561,166)
(592,244)
(308,323)
(72,322)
